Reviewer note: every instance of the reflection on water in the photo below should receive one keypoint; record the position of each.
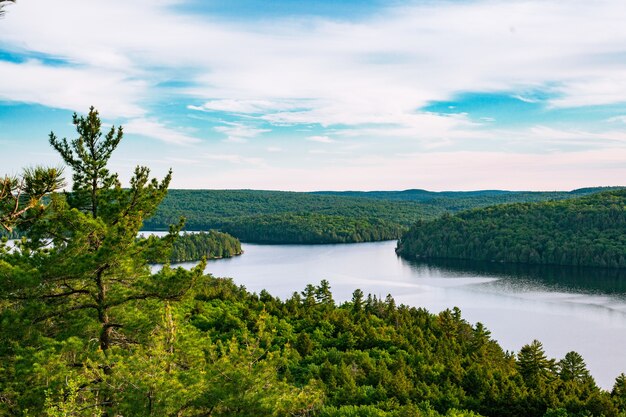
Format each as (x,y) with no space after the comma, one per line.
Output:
(547,277)
(565,308)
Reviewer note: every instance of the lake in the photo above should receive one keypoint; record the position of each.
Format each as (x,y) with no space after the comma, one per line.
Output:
(565,308)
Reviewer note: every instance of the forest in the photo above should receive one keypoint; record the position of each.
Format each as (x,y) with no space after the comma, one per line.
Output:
(287,217)
(87,329)
(210,245)
(585,231)
(324,217)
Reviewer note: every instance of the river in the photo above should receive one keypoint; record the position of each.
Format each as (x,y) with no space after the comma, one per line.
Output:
(565,308)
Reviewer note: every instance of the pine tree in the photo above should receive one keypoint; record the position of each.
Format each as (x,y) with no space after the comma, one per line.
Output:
(21,195)
(533,364)
(619,392)
(82,272)
(573,368)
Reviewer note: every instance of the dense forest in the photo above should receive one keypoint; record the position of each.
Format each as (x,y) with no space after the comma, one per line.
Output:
(586,231)
(453,201)
(311,228)
(288,217)
(87,329)
(323,217)
(211,244)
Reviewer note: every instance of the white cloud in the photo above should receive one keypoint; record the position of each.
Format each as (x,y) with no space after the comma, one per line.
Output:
(380,68)
(577,135)
(321,139)
(235,159)
(525,99)
(368,78)
(72,88)
(156,130)
(239,132)
(243,106)
(621,119)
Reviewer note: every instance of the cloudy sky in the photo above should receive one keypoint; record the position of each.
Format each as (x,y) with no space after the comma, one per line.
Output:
(319,95)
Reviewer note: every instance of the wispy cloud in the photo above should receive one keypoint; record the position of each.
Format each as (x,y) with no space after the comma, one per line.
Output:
(377,67)
(235,159)
(365,79)
(156,130)
(72,88)
(321,139)
(239,132)
(243,106)
(621,119)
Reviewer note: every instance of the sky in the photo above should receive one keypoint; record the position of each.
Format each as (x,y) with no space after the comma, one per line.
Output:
(326,94)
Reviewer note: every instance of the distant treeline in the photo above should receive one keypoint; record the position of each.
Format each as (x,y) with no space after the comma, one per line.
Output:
(212,245)
(323,217)
(587,231)
(311,228)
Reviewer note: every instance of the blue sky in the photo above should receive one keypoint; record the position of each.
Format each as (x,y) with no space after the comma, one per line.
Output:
(293,95)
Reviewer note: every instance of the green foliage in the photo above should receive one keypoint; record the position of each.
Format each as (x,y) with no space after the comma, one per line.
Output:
(88,156)
(573,368)
(587,231)
(387,360)
(323,217)
(618,393)
(22,197)
(74,293)
(286,217)
(87,329)
(209,245)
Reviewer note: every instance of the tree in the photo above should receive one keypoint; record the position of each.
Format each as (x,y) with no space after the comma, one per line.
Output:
(21,194)
(88,156)
(97,264)
(573,368)
(533,364)
(619,391)
(83,271)
(357,301)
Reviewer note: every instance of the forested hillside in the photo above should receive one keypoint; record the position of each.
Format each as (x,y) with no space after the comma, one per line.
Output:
(323,217)
(288,217)
(462,200)
(586,231)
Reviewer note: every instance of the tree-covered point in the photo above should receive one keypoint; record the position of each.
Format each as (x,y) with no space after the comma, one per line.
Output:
(210,245)
(323,217)
(586,231)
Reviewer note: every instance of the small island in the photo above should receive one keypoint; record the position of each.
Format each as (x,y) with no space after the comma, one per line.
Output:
(190,247)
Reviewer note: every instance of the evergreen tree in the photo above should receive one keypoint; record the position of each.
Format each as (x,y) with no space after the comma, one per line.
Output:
(573,368)
(533,364)
(19,195)
(619,391)
(83,272)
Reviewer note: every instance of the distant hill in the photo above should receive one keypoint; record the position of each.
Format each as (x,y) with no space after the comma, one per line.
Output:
(326,216)
(584,231)
(475,197)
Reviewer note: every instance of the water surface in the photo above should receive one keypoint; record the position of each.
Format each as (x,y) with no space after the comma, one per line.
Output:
(565,308)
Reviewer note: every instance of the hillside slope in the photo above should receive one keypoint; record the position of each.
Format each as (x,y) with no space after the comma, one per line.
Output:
(323,217)
(586,231)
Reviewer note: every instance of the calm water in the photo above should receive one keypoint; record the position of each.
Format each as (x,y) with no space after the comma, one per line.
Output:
(566,309)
